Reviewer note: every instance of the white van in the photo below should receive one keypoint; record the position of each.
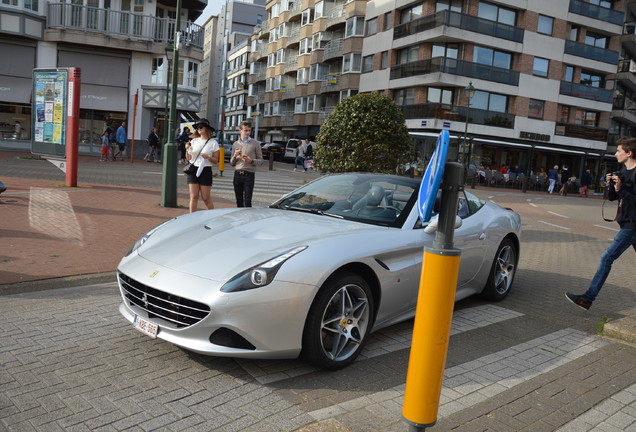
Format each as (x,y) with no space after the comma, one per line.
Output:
(290,149)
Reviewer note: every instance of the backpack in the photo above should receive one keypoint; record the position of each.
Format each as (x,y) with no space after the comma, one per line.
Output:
(309,152)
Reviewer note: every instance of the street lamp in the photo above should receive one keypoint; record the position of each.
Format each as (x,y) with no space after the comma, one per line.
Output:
(169,56)
(469,91)
(169,181)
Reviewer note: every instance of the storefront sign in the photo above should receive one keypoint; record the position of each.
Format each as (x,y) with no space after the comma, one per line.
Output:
(534,136)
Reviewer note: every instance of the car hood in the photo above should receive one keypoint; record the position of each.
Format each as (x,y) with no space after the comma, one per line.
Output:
(218,244)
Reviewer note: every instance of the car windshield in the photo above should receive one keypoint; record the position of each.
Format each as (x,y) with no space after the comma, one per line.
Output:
(370,198)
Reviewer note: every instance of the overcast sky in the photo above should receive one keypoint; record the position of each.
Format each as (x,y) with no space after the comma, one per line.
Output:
(213,8)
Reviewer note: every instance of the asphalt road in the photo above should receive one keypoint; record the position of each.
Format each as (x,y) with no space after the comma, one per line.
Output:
(533,362)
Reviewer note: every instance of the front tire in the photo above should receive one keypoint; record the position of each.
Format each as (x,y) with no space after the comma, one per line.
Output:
(502,272)
(338,323)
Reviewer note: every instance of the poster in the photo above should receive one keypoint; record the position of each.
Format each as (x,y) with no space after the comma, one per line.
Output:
(50,89)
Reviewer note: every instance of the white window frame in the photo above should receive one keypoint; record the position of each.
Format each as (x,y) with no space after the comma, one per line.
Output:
(305,46)
(302,76)
(275,108)
(311,103)
(353,61)
(354,27)
(319,9)
(306,17)
(271,60)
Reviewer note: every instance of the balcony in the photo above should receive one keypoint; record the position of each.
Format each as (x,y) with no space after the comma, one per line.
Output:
(333,49)
(330,82)
(458,113)
(324,113)
(591,52)
(336,16)
(593,11)
(586,92)
(462,21)
(579,131)
(120,24)
(455,67)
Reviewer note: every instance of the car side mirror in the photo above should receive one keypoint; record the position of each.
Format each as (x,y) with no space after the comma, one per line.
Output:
(434,222)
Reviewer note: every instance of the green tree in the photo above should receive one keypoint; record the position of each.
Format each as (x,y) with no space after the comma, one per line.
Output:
(365,133)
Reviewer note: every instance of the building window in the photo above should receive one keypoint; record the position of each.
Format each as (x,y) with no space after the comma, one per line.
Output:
(535,109)
(319,40)
(489,101)
(384,59)
(347,93)
(569,73)
(574,33)
(275,108)
(411,13)
(491,57)
(302,75)
(311,103)
(306,17)
(440,95)
(452,5)
(601,3)
(405,96)
(259,19)
(545,24)
(407,55)
(32,5)
(192,77)
(351,62)
(354,27)
(367,63)
(540,67)
(158,70)
(596,40)
(319,10)
(388,21)
(372,26)
(591,79)
(300,105)
(448,50)
(271,60)
(587,118)
(497,13)
(305,46)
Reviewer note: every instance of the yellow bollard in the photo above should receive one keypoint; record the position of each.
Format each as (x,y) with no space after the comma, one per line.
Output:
(431,333)
(221,160)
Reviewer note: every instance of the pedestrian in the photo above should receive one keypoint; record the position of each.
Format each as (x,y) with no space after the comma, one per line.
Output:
(553,176)
(246,156)
(105,146)
(121,138)
(565,176)
(202,151)
(17,127)
(183,141)
(622,187)
(153,146)
(111,137)
(301,152)
(586,181)
(309,155)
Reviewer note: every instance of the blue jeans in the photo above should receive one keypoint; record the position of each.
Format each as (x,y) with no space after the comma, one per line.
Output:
(299,160)
(623,240)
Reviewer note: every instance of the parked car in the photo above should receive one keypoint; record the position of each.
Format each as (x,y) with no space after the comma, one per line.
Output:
(229,282)
(275,147)
(290,149)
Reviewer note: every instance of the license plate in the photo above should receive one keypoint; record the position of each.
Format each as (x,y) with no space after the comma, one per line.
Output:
(145,326)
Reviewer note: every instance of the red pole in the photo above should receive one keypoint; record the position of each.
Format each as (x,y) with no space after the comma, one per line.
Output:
(72,125)
(132,145)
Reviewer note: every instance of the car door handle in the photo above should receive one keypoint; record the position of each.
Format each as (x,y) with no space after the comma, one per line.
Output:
(482,236)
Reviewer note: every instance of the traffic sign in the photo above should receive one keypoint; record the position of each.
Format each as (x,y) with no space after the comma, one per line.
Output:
(433,177)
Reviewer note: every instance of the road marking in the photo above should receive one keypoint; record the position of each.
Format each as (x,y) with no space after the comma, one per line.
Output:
(51,213)
(553,225)
(394,338)
(533,204)
(559,215)
(476,381)
(607,228)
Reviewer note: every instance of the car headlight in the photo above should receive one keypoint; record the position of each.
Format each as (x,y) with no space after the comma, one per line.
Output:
(260,275)
(145,237)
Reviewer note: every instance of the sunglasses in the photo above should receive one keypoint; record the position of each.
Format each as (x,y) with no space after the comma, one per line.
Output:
(200,127)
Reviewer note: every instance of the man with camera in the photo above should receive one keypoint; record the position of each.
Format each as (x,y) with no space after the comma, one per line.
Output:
(622,188)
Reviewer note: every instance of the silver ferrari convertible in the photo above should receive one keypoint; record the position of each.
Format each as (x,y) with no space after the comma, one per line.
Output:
(313,274)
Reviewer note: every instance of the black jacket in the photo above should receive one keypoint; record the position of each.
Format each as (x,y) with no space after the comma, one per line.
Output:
(627,194)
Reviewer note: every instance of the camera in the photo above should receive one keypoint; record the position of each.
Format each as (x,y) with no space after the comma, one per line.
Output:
(615,173)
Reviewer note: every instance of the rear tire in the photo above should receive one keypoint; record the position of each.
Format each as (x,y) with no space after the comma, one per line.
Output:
(339,322)
(502,272)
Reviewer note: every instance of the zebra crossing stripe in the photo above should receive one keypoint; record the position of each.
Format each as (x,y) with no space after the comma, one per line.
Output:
(476,381)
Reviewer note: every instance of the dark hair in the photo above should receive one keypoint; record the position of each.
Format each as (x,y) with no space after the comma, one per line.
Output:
(245,124)
(628,144)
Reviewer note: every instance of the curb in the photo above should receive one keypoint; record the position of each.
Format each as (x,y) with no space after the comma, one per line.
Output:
(56,283)
(623,329)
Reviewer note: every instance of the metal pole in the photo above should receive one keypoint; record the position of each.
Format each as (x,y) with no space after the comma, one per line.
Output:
(169,183)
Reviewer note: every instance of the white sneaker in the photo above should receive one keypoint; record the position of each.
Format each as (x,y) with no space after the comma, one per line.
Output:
(295,170)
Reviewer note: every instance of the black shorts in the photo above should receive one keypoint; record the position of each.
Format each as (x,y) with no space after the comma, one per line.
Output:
(205,179)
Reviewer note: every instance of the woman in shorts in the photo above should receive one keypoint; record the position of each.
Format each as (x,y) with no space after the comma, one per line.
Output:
(202,152)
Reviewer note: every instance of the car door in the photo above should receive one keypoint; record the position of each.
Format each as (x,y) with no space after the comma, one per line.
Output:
(470,238)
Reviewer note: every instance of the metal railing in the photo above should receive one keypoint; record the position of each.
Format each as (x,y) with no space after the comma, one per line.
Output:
(591,52)
(458,113)
(121,23)
(593,11)
(455,67)
(586,92)
(333,49)
(579,131)
(462,21)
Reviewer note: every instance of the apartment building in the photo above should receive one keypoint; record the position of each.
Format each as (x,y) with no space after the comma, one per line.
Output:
(234,25)
(236,90)
(306,57)
(543,71)
(120,47)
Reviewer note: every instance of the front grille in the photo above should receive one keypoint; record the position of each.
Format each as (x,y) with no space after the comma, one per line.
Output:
(180,311)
